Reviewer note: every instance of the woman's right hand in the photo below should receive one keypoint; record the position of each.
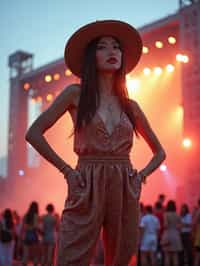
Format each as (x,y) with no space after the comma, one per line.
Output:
(73,175)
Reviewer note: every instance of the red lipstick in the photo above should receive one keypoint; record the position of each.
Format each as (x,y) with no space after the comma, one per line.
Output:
(112,60)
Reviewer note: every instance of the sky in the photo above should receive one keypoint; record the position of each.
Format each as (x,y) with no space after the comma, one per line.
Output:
(43,27)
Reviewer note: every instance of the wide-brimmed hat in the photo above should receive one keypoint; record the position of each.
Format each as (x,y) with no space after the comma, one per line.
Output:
(127,35)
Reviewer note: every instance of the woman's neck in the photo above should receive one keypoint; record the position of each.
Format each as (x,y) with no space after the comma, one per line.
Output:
(105,82)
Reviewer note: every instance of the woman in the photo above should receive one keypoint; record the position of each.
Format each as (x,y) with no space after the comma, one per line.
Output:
(30,235)
(104,188)
(7,235)
(186,234)
(49,233)
(171,239)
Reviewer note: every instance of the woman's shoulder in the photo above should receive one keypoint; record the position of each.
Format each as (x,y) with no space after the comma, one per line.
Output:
(132,102)
(134,105)
(135,108)
(72,91)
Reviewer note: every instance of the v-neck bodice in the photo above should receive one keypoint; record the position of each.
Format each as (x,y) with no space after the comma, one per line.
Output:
(94,139)
(104,124)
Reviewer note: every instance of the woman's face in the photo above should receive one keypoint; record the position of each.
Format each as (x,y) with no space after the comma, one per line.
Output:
(108,55)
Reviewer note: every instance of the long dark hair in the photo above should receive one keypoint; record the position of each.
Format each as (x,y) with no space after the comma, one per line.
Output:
(32,211)
(184,209)
(90,94)
(8,218)
(171,206)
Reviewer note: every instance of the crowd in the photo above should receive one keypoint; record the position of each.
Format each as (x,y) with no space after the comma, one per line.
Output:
(167,237)
(29,238)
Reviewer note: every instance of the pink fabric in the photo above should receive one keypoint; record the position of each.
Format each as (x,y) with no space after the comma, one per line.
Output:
(109,198)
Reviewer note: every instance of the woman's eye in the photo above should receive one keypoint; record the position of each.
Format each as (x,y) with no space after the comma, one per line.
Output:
(100,47)
(116,47)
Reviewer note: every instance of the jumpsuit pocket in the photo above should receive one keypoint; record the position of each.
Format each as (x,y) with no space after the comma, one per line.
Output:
(76,193)
(135,183)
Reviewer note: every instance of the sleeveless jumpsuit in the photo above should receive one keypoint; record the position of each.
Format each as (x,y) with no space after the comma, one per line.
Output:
(109,199)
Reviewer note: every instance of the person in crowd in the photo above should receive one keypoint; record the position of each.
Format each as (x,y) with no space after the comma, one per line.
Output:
(18,243)
(30,235)
(171,238)
(159,213)
(49,228)
(7,236)
(161,200)
(150,227)
(186,235)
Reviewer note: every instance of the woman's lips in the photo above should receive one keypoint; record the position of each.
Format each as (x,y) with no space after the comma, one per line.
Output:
(112,60)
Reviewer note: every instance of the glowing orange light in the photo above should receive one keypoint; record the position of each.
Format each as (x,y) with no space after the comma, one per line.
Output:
(27,86)
(48,78)
(145,50)
(171,40)
(157,70)
(56,76)
(132,84)
(39,99)
(187,143)
(146,71)
(33,100)
(170,68)
(49,97)
(68,72)
(159,44)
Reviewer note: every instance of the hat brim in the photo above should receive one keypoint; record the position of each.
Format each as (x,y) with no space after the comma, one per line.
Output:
(127,35)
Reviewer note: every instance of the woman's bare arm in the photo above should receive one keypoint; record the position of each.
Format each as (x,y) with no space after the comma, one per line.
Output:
(145,130)
(47,119)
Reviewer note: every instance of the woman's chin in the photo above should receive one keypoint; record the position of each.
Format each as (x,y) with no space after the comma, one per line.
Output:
(108,70)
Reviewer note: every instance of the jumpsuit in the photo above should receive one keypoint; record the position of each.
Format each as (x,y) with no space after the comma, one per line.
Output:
(109,199)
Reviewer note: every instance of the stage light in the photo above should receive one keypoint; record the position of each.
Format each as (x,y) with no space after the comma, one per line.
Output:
(56,76)
(33,100)
(170,68)
(21,172)
(49,97)
(145,50)
(27,86)
(179,57)
(163,168)
(187,143)
(39,99)
(146,71)
(171,40)
(132,84)
(159,44)
(157,70)
(48,78)
(182,58)
(68,72)
(185,59)
(179,112)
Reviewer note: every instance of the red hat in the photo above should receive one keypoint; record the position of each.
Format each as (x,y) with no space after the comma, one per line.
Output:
(127,35)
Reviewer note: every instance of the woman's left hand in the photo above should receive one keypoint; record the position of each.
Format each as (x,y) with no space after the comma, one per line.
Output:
(142,177)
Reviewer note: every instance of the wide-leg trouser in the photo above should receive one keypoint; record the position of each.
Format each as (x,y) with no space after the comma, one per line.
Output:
(109,200)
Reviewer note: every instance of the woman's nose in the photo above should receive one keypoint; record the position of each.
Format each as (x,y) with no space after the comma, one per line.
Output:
(111,51)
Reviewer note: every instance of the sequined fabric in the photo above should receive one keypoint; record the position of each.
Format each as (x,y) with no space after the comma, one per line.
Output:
(109,199)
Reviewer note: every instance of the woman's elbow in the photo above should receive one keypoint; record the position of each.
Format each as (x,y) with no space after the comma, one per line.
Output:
(162,154)
(31,134)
